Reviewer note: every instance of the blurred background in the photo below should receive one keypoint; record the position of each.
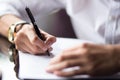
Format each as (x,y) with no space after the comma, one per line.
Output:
(57,24)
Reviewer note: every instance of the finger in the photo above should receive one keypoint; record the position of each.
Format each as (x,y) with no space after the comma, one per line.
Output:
(50,49)
(77,47)
(70,73)
(50,39)
(28,46)
(26,50)
(66,55)
(22,47)
(34,49)
(29,41)
(65,64)
(35,40)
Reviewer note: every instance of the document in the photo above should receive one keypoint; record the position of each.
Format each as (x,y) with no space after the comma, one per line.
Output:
(34,66)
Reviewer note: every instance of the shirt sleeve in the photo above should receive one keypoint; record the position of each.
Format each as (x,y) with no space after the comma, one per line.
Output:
(38,7)
(7,7)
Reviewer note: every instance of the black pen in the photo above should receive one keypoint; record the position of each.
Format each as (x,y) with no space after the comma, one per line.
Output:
(35,26)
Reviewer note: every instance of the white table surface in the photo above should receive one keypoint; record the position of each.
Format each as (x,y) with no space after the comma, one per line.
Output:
(7,68)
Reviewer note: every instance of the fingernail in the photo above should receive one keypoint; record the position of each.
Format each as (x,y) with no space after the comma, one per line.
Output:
(51,62)
(48,69)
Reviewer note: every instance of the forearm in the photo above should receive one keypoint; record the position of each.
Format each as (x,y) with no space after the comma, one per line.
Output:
(5,22)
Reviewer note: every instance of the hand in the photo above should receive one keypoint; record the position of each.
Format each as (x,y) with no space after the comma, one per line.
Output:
(93,59)
(26,40)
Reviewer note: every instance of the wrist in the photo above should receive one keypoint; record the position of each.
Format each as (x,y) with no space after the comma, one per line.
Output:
(19,27)
(13,29)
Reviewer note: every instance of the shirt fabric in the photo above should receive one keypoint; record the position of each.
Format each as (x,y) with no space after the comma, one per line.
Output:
(93,20)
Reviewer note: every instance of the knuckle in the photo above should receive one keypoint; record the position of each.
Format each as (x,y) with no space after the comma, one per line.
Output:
(67,64)
(36,48)
(34,39)
(90,70)
(86,51)
(61,58)
(53,38)
(84,45)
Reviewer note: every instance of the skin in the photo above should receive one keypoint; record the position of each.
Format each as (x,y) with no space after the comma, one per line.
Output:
(26,39)
(93,60)
(32,43)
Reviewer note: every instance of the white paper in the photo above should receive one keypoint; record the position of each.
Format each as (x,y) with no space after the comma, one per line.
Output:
(33,67)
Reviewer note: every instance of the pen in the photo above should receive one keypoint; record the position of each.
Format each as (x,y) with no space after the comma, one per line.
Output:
(35,26)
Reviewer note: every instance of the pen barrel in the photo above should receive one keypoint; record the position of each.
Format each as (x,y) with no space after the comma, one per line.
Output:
(30,14)
(34,24)
(38,32)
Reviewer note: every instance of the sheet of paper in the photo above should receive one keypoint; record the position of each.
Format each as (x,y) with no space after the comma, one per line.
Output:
(33,66)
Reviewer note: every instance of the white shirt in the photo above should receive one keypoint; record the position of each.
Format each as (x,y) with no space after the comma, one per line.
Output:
(90,18)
